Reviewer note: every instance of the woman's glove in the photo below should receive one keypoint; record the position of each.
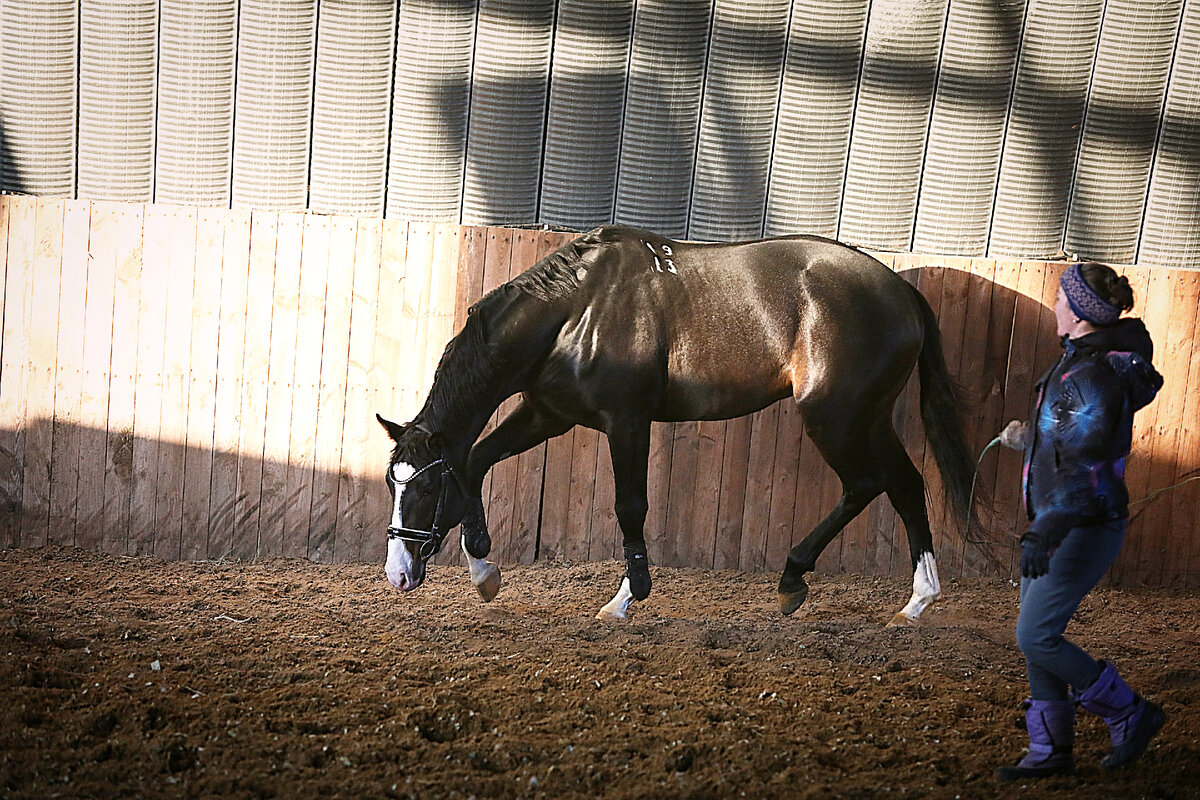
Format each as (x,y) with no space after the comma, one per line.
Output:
(1035,555)
(1014,435)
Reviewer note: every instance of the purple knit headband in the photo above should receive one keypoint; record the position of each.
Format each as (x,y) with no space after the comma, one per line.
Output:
(1084,301)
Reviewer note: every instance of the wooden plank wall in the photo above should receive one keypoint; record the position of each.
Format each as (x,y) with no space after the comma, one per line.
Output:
(201,384)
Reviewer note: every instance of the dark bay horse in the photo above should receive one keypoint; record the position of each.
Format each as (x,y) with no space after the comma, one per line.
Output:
(621,327)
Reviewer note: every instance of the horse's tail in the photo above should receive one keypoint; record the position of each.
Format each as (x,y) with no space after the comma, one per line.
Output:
(942,401)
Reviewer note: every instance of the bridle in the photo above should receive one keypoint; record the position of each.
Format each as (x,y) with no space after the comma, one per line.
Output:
(428,542)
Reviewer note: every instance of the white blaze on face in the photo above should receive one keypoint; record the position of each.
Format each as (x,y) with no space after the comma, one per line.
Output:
(926,588)
(399,566)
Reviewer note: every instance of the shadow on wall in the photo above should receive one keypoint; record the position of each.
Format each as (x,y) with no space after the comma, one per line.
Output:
(10,174)
(738,167)
(68,484)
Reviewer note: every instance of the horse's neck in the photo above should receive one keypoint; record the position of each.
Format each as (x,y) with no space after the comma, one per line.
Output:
(472,380)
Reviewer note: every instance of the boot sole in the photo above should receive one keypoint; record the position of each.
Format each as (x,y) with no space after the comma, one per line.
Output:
(1015,773)
(1153,721)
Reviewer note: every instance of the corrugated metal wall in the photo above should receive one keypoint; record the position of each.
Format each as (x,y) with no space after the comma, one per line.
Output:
(968,127)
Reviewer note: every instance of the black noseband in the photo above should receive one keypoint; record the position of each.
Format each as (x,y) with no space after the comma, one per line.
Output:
(429,542)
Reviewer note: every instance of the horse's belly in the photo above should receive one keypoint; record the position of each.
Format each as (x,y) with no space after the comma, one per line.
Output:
(738,386)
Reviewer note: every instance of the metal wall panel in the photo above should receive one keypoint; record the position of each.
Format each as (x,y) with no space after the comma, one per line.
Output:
(197,54)
(737,120)
(966,131)
(273,105)
(1133,60)
(508,107)
(589,67)
(434,49)
(1049,98)
(38,101)
(816,110)
(662,113)
(1171,231)
(117,70)
(887,145)
(351,105)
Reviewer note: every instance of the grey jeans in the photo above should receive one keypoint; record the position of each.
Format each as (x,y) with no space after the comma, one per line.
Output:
(1048,602)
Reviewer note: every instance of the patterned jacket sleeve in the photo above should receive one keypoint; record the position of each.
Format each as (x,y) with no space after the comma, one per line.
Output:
(1081,424)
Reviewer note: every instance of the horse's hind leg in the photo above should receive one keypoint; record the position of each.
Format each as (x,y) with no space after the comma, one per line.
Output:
(906,490)
(847,448)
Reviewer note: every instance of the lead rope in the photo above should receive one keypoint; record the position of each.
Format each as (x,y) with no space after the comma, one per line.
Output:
(996,441)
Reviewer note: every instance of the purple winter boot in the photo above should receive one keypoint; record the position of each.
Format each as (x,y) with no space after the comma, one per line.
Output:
(1132,720)
(1051,726)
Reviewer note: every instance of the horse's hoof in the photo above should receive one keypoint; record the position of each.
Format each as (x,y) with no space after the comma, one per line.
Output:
(789,602)
(488,584)
(902,620)
(612,618)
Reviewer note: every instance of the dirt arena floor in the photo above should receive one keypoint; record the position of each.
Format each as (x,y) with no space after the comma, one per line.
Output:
(124,677)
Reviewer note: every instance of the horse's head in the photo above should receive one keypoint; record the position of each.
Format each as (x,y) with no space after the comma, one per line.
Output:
(428,500)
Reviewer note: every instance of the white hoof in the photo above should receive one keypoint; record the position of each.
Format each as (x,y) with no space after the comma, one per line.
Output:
(617,609)
(487,581)
(902,620)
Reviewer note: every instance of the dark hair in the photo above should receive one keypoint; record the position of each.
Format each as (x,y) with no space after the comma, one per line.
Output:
(1108,284)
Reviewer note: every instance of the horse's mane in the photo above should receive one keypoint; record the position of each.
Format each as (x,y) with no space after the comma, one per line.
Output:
(557,275)
(471,361)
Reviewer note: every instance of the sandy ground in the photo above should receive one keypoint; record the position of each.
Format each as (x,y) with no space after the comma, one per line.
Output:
(126,677)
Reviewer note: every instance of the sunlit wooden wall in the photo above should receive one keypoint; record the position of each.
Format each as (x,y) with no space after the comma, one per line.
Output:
(201,384)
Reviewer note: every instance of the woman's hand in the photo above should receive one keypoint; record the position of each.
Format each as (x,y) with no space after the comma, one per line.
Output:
(1015,435)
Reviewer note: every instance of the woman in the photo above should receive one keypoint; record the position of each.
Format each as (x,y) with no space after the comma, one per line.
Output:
(1075,447)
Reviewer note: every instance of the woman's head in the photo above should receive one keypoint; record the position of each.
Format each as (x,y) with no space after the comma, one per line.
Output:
(1090,295)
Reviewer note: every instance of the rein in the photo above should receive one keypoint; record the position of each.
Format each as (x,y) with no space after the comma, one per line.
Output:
(430,541)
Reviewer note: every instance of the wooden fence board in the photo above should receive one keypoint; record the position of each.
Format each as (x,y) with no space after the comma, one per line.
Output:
(786,482)
(364,449)
(119,451)
(1019,393)
(97,330)
(706,494)
(1184,555)
(395,371)
(1168,554)
(416,372)
(1143,543)
(43,346)
(223,523)
(169,487)
(684,452)
(202,383)
(1001,314)
(285,314)
(260,290)
(68,374)
(331,405)
(735,464)
(311,331)
(756,517)
(14,363)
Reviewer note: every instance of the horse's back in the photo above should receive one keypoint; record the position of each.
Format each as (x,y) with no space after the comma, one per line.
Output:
(719,330)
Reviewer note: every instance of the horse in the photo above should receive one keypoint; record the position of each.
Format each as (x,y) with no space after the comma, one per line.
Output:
(621,327)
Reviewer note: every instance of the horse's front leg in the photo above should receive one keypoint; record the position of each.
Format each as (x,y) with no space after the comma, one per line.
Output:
(629,445)
(524,427)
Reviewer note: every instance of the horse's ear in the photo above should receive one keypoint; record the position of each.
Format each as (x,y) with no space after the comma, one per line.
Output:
(393,430)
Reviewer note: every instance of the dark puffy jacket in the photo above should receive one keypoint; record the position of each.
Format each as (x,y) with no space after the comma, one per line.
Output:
(1082,429)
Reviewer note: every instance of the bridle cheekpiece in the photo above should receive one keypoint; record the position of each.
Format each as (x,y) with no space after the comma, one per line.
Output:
(429,542)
